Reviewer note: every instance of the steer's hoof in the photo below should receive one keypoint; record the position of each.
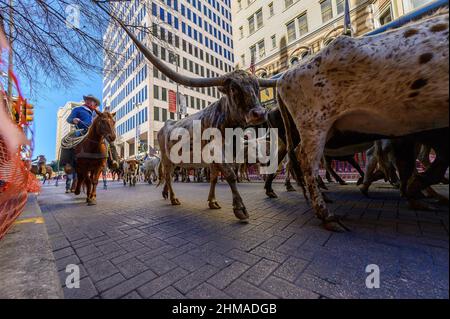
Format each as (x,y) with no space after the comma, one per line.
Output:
(175,202)
(271,194)
(360,181)
(334,224)
(91,202)
(165,195)
(214,205)
(289,188)
(241,213)
(364,191)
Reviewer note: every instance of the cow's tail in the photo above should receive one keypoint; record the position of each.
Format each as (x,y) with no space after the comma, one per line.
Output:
(161,174)
(296,168)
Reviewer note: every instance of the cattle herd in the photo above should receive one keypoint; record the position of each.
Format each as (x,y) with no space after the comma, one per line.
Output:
(385,94)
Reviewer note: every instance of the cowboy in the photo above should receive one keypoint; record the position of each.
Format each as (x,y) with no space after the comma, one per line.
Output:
(83,116)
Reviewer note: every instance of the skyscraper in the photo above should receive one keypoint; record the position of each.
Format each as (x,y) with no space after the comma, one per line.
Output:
(193,36)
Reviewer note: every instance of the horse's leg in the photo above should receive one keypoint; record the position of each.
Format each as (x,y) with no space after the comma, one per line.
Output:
(213,204)
(79,181)
(88,183)
(95,176)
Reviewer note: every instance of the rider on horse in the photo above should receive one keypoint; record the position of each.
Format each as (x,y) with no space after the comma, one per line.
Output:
(41,162)
(82,117)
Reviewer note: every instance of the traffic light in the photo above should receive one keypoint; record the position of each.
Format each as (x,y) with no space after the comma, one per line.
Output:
(29,112)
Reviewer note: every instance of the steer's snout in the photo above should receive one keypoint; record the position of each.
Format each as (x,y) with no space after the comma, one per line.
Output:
(256,116)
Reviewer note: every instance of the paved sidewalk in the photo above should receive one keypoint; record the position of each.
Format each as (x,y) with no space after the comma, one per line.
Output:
(133,244)
(27,265)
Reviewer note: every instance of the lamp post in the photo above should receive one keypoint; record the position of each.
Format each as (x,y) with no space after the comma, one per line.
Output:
(176,58)
(138,133)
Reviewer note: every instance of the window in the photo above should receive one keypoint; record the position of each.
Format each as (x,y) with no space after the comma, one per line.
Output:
(413,4)
(386,16)
(239,4)
(164,94)
(259,19)
(156,92)
(340,5)
(241,32)
(164,115)
(243,62)
(274,41)
(271,11)
(327,10)
(156,113)
(288,3)
(253,52)
(251,24)
(303,24)
(291,31)
(261,49)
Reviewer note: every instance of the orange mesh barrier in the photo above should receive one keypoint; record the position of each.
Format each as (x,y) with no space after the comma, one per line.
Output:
(15,182)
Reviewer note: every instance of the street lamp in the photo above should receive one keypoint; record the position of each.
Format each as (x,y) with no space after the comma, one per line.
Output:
(138,133)
(176,58)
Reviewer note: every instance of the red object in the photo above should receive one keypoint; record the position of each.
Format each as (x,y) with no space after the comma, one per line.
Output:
(172,101)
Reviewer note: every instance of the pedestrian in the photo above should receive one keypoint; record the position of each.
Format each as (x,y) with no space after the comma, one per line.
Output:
(104,177)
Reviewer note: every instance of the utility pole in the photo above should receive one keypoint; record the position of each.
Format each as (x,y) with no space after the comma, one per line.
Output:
(10,55)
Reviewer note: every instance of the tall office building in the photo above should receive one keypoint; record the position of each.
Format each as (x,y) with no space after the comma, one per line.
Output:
(272,36)
(193,36)
(62,127)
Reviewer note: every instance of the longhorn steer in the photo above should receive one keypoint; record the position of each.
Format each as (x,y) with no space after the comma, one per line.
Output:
(391,84)
(130,172)
(239,107)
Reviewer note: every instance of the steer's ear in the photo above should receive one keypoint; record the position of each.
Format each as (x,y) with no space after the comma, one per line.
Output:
(226,87)
(98,112)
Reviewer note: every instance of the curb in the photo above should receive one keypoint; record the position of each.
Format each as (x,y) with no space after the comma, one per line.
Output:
(27,264)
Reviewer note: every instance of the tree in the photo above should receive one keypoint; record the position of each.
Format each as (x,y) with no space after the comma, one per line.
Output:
(49,36)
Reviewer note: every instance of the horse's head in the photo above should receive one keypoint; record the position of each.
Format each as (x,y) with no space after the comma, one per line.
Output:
(104,125)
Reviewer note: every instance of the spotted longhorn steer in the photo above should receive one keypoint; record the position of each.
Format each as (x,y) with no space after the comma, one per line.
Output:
(391,84)
(130,172)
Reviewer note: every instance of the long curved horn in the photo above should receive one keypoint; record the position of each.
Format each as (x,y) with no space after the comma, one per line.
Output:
(164,68)
(267,83)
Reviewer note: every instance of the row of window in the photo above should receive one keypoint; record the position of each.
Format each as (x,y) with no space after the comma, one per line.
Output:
(133,102)
(295,28)
(132,84)
(187,47)
(161,93)
(140,118)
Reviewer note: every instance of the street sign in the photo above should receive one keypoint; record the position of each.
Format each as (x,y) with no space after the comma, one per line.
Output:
(172,101)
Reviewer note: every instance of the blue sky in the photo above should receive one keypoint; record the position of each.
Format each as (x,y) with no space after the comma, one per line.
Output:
(48,101)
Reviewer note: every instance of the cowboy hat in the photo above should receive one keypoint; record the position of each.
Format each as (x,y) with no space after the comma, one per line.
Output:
(91,97)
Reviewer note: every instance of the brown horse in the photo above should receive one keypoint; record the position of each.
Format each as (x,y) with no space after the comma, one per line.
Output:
(41,169)
(92,153)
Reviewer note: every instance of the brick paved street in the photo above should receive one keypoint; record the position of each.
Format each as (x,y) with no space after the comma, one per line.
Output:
(133,244)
